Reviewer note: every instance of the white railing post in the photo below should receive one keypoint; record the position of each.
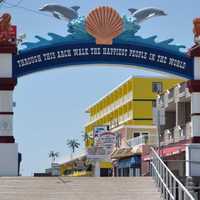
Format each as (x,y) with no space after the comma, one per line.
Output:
(167,183)
(174,188)
(179,193)
(170,184)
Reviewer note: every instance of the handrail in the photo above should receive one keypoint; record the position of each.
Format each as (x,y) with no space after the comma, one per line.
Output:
(142,139)
(170,187)
(171,195)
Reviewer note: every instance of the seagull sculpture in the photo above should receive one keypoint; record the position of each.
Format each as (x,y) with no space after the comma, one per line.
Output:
(144,14)
(59,11)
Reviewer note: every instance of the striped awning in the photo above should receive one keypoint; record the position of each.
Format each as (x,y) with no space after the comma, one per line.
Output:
(121,153)
(167,151)
(124,152)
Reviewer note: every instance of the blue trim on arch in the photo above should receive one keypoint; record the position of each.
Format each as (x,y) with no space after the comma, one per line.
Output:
(78,34)
(25,62)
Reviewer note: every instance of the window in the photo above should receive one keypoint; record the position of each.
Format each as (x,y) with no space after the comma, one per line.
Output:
(136,134)
(154,104)
(157,87)
(118,140)
(145,134)
(146,137)
(129,134)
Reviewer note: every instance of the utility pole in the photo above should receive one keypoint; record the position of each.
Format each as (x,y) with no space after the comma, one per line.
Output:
(158,121)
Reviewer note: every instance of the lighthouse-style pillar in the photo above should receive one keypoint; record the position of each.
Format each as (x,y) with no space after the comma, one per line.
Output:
(193,149)
(8,148)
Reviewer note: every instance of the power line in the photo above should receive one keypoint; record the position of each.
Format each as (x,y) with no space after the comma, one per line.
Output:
(14,5)
(26,9)
(11,5)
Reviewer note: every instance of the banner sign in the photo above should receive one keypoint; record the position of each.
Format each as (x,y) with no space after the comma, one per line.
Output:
(96,153)
(103,146)
(107,141)
(98,130)
(34,60)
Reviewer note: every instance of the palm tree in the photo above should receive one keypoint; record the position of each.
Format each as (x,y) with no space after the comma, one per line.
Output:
(73,144)
(53,155)
(87,139)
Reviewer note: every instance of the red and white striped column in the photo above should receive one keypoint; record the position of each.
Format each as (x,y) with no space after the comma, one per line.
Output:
(193,149)
(6,110)
(8,147)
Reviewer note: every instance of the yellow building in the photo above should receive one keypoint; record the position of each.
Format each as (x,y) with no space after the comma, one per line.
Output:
(129,105)
(128,111)
(79,166)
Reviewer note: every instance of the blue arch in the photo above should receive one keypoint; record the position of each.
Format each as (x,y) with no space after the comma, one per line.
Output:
(138,54)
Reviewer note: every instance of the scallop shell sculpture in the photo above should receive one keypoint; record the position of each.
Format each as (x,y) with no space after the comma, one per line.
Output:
(104,24)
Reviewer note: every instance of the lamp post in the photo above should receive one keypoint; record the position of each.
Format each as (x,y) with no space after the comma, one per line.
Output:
(158,122)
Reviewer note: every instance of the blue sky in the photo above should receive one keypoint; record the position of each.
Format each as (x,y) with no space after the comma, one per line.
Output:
(50,106)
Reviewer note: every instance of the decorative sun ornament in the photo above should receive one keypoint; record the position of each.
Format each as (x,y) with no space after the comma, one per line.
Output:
(104,24)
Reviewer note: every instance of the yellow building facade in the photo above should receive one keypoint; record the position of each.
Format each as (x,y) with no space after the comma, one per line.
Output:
(130,104)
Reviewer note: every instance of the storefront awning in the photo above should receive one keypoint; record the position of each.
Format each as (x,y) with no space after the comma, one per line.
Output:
(125,152)
(167,151)
(105,165)
(121,153)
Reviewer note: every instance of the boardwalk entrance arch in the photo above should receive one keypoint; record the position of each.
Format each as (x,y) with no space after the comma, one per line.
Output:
(104,37)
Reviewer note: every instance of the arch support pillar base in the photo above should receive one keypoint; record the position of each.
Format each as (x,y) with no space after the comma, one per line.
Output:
(7,139)
(9,159)
(193,149)
(9,156)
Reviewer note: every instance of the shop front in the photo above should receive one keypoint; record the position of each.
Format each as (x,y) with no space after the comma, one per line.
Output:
(173,156)
(130,166)
(105,168)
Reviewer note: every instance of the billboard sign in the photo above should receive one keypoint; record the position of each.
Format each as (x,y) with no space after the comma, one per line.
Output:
(98,130)
(96,153)
(107,141)
(103,145)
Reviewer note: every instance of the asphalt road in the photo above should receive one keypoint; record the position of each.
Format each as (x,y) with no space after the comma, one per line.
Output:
(69,188)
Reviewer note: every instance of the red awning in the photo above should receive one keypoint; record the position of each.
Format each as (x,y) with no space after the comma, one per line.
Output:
(167,151)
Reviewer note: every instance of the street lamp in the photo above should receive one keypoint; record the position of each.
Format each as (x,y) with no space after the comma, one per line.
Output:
(158,121)
(160,117)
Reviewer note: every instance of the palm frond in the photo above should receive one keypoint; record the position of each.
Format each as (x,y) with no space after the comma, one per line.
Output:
(73,144)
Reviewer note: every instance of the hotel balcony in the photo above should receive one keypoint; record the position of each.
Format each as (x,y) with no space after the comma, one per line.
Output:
(176,94)
(182,87)
(111,108)
(175,108)
(177,134)
(171,95)
(143,140)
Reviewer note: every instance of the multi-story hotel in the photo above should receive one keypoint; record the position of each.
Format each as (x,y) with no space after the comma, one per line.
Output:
(176,131)
(128,112)
(179,132)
